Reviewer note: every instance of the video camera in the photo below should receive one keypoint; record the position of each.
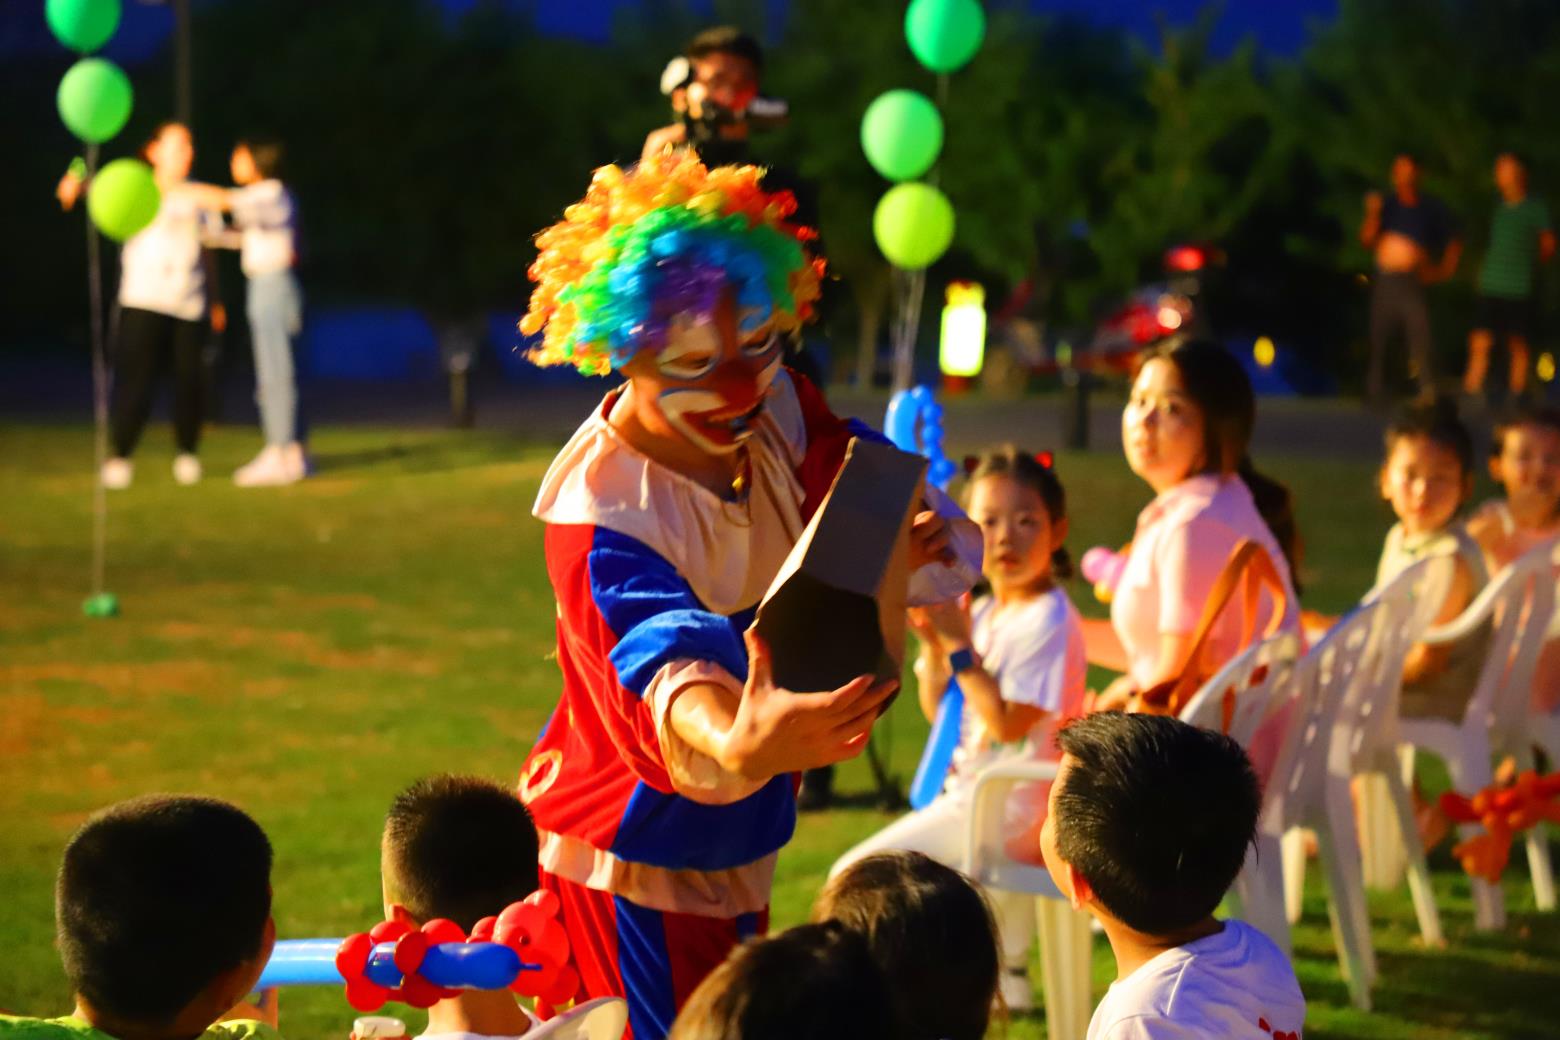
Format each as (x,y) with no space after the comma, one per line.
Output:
(704,118)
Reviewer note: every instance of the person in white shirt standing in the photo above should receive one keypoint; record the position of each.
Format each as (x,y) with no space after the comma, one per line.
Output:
(1148,827)
(266,219)
(164,302)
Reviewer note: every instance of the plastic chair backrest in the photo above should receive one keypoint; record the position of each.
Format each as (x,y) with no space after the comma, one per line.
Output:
(1327,676)
(1261,678)
(1409,602)
(1520,601)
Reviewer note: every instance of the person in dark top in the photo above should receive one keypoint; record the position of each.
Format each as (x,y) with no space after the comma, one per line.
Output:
(1415,241)
(1521,236)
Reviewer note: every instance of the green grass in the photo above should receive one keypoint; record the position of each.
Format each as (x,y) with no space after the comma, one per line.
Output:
(308,651)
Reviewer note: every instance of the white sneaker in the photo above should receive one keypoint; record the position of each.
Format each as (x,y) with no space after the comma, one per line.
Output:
(1017,992)
(297,460)
(268,469)
(117,473)
(186,469)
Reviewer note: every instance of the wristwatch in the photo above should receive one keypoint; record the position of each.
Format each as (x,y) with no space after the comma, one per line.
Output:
(961,660)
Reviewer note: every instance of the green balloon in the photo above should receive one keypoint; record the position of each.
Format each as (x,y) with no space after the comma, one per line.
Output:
(123,198)
(901,134)
(945,34)
(94,100)
(913,225)
(82,25)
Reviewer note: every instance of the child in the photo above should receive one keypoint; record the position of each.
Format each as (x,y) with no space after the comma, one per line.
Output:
(1427,479)
(267,218)
(816,981)
(163,907)
(1525,460)
(931,934)
(1148,827)
(463,848)
(1018,655)
(663,786)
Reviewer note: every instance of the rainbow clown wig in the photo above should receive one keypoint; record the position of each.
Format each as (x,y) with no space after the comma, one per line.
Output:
(665,238)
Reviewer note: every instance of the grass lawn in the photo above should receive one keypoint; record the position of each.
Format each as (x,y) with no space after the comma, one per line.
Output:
(307,651)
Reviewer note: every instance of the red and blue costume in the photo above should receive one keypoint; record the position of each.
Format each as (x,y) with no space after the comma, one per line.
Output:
(661,860)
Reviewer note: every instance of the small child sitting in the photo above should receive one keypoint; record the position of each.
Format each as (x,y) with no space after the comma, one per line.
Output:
(1427,478)
(461,848)
(1525,461)
(1149,823)
(931,934)
(163,908)
(816,981)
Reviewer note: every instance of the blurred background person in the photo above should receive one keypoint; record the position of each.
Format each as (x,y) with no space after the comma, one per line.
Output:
(1414,240)
(1520,235)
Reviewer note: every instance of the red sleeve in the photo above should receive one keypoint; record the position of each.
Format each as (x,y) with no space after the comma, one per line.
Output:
(600,708)
(827,438)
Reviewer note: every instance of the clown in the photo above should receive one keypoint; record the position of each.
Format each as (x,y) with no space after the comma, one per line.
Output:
(664,784)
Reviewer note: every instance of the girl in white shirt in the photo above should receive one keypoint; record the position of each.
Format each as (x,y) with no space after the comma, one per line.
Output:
(1018,655)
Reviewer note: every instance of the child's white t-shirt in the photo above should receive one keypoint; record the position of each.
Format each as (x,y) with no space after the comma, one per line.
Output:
(267,218)
(1236,985)
(1034,649)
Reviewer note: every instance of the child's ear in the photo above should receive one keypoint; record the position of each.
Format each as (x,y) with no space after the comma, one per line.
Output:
(1058,533)
(1381,485)
(1080,891)
(397,912)
(1494,465)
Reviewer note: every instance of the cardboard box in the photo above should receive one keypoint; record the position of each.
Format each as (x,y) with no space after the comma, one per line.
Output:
(836,610)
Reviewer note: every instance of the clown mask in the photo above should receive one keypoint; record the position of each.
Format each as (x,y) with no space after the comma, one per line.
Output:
(709,382)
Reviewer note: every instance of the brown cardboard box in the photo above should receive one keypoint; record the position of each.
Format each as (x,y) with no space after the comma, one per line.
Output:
(836,610)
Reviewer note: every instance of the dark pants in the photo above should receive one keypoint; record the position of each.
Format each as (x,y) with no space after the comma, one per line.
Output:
(1397,305)
(147,343)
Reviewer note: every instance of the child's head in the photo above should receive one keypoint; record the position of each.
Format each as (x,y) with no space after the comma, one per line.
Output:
(1428,472)
(255,159)
(1021,508)
(457,847)
(932,935)
(1149,819)
(816,980)
(1525,459)
(1191,411)
(163,910)
(170,150)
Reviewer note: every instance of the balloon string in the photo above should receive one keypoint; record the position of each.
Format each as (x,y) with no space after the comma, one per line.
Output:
(910,286)
(99,389)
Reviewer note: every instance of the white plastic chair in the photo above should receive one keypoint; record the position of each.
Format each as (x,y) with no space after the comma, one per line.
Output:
(1365,741)
(1265,679)
(1518,603)
(1066,946)
(1415,604)
(1309,789)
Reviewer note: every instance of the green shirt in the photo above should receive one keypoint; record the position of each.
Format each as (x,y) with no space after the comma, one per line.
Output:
(1508,265)
(16,1027)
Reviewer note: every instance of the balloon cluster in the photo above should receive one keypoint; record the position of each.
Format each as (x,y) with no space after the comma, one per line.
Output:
(94,102)
(1503,810)
(902,135)
(665,238)
(529,930)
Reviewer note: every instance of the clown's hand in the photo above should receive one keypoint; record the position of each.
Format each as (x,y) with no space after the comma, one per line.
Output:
(778,731)
(945,552)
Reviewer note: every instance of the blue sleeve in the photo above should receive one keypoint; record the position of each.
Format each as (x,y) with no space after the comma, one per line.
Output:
(654,613)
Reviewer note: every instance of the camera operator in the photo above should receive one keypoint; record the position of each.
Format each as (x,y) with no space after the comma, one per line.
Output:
(714,90)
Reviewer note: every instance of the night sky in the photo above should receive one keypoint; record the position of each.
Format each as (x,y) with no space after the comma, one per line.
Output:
(1279,26)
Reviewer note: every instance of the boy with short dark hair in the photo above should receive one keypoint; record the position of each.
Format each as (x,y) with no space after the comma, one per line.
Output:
(461,848)
(1148,827)
(163,911)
